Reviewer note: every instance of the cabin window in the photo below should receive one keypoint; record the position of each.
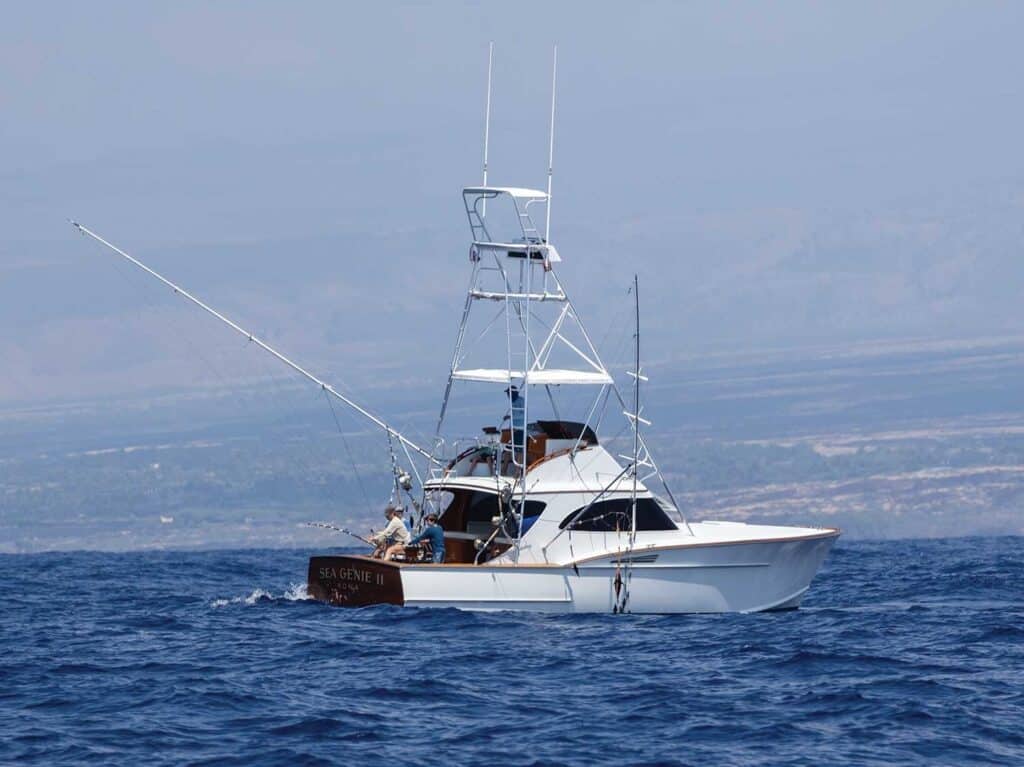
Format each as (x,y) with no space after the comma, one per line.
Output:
(531,511)
(479,511)
(483,507)
(469,511)
(617,514)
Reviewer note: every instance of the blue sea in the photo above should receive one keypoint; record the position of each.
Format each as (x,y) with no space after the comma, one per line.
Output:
(905,652)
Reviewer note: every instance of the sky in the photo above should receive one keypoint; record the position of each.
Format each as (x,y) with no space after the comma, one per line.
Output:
(778,175)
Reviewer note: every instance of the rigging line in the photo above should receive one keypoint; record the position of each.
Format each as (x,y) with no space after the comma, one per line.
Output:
(554,405)
(399,489)
(583,510)
(607,443)
(425,501)
(148,293)
(616,322)
(590,414)
(460,337)
(182,333)
(241,394)
(619,515)
(467,348)
(309,461)
(650,457)
(263,345)
(547,347)
(600,422)
(622,338)
(524,323)
(351,458)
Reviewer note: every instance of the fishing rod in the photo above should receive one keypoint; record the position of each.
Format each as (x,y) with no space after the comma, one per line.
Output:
(302,371)
(335,528)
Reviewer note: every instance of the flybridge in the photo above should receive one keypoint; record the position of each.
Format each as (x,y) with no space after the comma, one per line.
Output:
(546,346)
(525,240)
(536,338)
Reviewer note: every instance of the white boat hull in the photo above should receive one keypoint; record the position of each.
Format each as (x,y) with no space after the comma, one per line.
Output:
(734,576)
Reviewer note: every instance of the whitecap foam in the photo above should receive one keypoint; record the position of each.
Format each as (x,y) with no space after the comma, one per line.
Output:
(257,595)
(295,593)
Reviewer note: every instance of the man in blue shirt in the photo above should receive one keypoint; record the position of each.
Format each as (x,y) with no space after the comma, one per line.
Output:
(433,533)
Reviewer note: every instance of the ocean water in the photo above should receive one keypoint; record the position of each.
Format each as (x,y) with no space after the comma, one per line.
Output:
(906,652)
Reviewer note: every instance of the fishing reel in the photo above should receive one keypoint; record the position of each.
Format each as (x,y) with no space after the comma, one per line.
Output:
(403,479)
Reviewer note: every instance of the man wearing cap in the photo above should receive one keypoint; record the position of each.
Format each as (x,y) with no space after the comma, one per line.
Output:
(395,534)
(433,533)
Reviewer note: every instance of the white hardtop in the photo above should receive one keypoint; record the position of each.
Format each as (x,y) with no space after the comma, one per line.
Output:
(520,193)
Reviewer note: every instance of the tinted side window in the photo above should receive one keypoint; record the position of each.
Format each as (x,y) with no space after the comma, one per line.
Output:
(530,508)
(482,506)
(617,514)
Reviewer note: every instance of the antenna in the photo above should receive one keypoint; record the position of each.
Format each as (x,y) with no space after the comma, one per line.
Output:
(487,119)
(636,400)
(551,146)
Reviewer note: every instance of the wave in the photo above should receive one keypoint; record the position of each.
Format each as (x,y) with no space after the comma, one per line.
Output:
(297,592)
(904,653)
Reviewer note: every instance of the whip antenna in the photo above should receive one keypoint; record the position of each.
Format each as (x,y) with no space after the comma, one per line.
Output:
(487,119)
(551,146)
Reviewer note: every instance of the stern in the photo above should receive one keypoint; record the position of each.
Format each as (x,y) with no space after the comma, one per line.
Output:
(355,581)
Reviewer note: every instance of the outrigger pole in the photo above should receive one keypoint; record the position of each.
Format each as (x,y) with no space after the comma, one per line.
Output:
(302,371)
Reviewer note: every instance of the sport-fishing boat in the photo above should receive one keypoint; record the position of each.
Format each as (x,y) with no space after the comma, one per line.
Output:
(552,520)
(540,513)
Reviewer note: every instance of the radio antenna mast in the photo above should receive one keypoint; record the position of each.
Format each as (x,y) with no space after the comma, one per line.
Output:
(551,147)
(487,120)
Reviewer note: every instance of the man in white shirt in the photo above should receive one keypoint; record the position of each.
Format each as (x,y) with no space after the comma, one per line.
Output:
(395,534)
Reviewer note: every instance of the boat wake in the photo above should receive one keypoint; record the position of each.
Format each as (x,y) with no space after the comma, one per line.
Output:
(296,593)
